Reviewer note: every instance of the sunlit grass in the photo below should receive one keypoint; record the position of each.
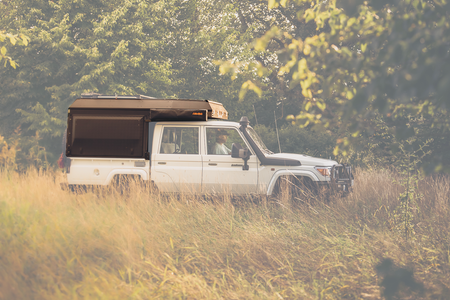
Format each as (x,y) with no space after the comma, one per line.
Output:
(56,244)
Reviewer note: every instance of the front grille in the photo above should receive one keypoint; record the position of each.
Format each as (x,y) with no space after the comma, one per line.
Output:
(342,177)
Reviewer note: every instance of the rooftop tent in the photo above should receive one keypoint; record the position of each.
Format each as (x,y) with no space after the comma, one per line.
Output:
(95,101)
(114,126)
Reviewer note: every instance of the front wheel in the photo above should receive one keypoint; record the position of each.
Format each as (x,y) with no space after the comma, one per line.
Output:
(295,188)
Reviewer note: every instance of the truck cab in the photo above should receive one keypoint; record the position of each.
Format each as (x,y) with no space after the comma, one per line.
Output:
(181,145)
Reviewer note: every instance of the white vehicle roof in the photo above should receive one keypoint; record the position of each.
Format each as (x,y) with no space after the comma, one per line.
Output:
(200,123)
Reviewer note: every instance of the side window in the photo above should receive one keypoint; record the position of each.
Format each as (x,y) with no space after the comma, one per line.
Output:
(179,140)
(220,140)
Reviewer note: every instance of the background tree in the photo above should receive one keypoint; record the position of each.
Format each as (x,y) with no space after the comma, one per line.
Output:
(208,32)
(370,60)
(6,37)
(102,46)
(157,48)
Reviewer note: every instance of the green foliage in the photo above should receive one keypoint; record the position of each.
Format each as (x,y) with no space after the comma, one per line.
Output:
(23,151)
(8,151)
(79,47)
(347,67)
(13,39)
(379,147)
(161,49)
(368,59)
(40,120)
(409,180)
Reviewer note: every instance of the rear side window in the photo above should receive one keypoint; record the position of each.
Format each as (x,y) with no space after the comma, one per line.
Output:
(106,136)
(179,140)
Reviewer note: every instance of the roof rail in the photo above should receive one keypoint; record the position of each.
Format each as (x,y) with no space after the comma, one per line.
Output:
(101,96)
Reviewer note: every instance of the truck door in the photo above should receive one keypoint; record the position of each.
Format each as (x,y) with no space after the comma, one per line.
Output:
(177,165)
(221,172)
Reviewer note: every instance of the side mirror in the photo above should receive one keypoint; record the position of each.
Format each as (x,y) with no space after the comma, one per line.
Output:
(238,152)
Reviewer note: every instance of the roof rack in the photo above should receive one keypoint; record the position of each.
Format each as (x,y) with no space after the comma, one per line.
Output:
(101,96)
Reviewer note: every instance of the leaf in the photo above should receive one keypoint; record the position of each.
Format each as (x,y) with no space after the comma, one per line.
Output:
(363,48)
(12,39)
(355,134)
(272,4)
(307,49)
(260,70)
(307,105)
(261,44)
(226,67)
(349,95)
(321,105)
(246,86)
(3,51)
(336,48)
(255,88)
(350,22)
(307,93)
(25,40)
(336,151)
(243,91)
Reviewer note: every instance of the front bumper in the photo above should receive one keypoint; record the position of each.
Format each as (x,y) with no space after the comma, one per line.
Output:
(341,177)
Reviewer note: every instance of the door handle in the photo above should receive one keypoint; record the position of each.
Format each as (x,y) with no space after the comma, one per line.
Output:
(212,164)
(161,162)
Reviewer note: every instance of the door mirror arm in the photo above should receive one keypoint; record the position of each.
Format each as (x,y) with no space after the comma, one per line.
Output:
(238,152)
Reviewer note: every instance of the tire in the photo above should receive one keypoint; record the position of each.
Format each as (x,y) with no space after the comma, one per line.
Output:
(124,183)
(293,187)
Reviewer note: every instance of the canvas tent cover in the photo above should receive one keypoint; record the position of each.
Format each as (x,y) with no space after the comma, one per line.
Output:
(215,109)
(114,126)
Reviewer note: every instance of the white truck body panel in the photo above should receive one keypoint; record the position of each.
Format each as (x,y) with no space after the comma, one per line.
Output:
(223,173)
(100,171)
(175,172)
(197,173)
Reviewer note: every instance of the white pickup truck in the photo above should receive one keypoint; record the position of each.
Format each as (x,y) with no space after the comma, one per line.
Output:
(180,145)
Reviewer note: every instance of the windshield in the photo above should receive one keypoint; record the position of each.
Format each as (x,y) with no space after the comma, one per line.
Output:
(255,137)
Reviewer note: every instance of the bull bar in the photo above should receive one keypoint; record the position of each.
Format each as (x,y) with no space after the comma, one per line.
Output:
(341,177)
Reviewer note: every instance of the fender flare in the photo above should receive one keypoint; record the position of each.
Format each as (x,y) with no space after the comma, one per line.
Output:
(161,172)
(303,173)
(142,173)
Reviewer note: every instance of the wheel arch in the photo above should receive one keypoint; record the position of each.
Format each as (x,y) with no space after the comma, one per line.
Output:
(297,173)
(142,173)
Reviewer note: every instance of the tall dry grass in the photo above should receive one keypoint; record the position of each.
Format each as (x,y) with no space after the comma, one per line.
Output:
(56,244)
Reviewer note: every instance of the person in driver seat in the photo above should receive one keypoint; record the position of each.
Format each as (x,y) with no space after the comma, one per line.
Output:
(220,147)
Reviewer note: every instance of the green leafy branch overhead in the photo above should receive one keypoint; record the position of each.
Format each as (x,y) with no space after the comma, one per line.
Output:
(13,39)
(367,58)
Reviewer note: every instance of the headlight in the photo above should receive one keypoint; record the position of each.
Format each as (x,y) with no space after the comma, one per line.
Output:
(325,171)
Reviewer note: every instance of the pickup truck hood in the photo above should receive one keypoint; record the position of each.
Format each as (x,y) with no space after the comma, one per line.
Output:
(305,160)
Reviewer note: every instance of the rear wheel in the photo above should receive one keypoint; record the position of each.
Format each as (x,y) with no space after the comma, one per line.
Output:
(125,183)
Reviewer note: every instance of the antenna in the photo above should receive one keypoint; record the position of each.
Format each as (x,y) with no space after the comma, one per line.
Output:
(276,127)
(254,110)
